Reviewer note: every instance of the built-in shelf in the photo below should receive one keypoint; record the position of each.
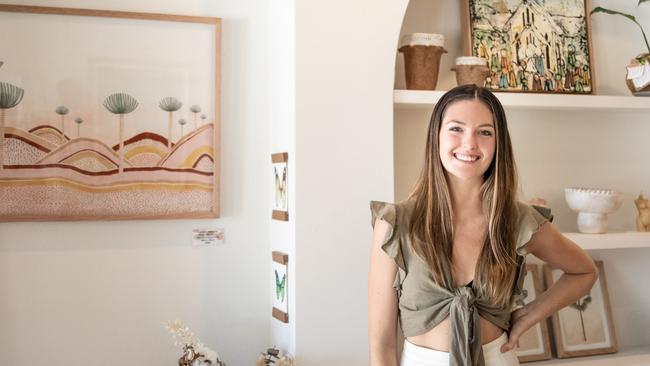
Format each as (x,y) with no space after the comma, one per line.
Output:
(611,240)
(417,99)
(630,356)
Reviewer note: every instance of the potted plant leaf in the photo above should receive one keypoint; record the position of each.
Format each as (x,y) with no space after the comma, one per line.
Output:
(638,79)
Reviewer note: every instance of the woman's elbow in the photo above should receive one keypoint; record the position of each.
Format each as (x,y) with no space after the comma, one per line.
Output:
(594,272)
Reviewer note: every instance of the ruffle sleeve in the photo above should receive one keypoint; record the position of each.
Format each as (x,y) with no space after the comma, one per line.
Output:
(531,219)
(391,245)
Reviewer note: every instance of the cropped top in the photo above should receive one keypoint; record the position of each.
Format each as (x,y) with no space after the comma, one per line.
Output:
(422,304)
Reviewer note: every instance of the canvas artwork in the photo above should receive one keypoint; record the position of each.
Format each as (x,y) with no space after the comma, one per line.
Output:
(532,45)
(585,327)
(108,115)
(280,193)
(280,299)
(534,344)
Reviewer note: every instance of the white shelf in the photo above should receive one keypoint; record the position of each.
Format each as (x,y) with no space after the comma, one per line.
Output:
(611,240)
(417,99)
(631,356)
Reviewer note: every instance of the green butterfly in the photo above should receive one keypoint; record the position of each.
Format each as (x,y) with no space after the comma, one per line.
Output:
(280,286)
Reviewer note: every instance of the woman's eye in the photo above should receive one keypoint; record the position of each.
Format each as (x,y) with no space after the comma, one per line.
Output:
(455,129)
(486,133)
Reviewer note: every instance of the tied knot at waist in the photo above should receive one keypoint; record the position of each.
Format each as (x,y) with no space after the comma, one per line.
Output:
(464,297)
(465,348)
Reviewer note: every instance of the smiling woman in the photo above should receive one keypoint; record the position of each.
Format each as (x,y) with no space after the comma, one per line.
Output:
(467,140)
(449,262)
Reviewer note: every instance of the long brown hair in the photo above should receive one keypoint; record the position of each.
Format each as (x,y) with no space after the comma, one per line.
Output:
(431,227)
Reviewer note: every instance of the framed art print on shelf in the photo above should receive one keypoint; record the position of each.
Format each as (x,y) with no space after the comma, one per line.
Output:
(586,327)
(534,344)
(108,115)
(280,193)
(279,266)
(531,46)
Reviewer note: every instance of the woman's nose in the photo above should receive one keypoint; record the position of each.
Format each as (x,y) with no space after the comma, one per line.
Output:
(469,140)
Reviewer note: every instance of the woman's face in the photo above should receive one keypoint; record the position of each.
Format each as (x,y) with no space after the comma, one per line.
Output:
(467,139)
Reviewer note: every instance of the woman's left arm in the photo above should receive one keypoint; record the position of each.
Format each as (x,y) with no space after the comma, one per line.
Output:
(580,274)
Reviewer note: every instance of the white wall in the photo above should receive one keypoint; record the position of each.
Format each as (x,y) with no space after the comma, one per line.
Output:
(345,52)
(281,88)
(96,293)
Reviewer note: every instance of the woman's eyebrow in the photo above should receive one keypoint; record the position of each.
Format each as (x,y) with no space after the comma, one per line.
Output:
(463,123)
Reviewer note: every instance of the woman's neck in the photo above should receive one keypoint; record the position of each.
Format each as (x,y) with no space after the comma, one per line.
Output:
(465,199)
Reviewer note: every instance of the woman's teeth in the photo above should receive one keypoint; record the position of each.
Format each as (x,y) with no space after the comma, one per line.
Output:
(466,158)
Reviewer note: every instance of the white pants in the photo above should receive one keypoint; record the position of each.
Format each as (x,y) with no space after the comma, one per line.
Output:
(413,355)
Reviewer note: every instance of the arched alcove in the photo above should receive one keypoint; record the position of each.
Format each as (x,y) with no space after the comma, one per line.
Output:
(409,129)
(441,17)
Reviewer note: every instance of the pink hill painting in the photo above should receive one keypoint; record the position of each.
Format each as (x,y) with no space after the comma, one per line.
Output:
(119,121)
(41,177)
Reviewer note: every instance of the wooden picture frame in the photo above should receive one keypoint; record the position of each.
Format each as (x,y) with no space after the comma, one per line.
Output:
(534,344)
(281,193)
(280,308)
(98,131)
(585,328)
(532,48)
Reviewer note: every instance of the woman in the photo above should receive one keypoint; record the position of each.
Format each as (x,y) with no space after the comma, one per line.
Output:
(449,261)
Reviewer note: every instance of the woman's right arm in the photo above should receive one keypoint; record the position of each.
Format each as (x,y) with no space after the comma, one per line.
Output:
(382,301)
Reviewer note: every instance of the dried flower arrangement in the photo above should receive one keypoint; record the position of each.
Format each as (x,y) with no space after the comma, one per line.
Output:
(195,353)
(272,357)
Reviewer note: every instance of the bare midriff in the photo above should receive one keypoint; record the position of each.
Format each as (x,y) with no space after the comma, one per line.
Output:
(438,337)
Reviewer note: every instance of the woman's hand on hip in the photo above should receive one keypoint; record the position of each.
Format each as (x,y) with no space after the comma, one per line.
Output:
(519,323)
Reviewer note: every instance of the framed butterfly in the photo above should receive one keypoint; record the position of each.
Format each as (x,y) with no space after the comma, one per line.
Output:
(280,173)
(280,285)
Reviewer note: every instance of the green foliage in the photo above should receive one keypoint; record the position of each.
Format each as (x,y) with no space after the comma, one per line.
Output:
(10,95)
(120,103)
(170,104)
(600,9)
(182,122)
(195,109)
(62,110)
(204,117)
(581,305)
(78,120)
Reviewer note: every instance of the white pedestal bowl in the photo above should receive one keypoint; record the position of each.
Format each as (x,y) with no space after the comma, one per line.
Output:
(593,206)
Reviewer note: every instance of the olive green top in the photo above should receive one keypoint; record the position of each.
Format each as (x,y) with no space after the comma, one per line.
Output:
(422,304)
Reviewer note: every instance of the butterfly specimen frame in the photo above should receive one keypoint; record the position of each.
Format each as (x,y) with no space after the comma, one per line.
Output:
(108,115)
(280,283)
(280,178)
(534,344)
(586,327)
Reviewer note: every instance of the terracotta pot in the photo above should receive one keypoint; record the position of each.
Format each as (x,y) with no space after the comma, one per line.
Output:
(422,53)
(471,74)
(421,65)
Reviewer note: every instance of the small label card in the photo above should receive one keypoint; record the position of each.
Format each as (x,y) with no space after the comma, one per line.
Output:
(202,237)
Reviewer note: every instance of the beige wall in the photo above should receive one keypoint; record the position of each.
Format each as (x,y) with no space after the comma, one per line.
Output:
(96,293)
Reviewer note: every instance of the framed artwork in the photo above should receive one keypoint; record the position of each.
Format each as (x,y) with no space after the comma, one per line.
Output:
(534,344)
(586,327)
(280,299)
(108,115)
(531,46)
(280,199)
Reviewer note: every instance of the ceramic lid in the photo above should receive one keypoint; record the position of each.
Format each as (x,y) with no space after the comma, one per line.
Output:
(471,60)
(423,39)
